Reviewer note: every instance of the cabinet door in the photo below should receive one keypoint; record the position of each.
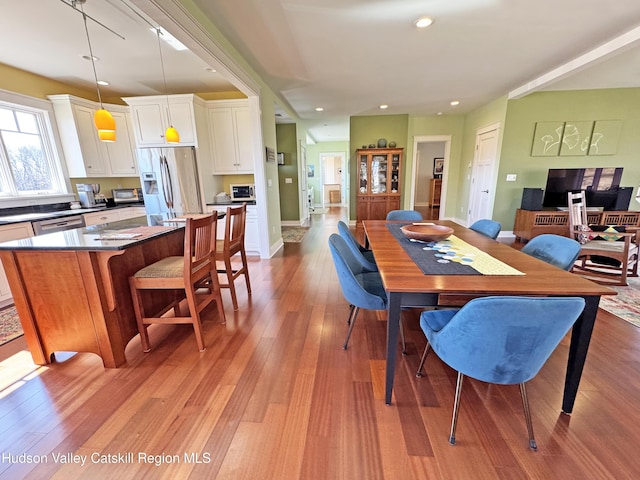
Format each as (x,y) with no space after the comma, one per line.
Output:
(148,124)
(378,207)
(121,153)
(251,241)
(8,233)
(362,208)
(183,120)
(93,150)
(244,150)
(222,139)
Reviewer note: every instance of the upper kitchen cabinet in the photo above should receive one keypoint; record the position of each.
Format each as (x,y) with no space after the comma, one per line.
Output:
(154,114)
(85,154)
(230,136)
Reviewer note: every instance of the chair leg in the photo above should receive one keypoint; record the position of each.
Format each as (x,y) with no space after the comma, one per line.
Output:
(456,407)
(139,312)
(351,322)
(527,416)
(246,270)
(230,282)
(422,360)
(192,301)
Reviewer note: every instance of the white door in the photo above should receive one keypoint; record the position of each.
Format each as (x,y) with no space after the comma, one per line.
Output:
(483,175)
(305,201)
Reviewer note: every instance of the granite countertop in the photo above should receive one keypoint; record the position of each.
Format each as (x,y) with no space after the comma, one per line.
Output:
(8,218)
(111,236)
(232,204)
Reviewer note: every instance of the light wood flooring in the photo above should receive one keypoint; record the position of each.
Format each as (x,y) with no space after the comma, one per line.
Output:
(274,396)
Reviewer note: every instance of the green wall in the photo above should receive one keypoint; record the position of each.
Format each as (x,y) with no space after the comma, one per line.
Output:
(521,118)
(366,130)
(286,135)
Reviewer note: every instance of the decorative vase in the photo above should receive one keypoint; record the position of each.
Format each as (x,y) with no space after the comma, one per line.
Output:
(382,143)
(392,144)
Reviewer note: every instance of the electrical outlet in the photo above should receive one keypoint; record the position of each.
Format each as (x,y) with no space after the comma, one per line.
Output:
(511,177)
(288,180)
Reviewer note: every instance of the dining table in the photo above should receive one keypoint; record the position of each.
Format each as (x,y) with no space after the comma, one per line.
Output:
(468,265)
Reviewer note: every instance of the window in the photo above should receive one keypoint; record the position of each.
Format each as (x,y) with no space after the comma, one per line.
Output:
(28,165)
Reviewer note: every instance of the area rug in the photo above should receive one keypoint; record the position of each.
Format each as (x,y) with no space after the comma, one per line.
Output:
(626,304)
(293,234)
(10,326)
(319,211)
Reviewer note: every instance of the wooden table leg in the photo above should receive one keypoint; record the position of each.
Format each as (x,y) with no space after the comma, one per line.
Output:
(580,338)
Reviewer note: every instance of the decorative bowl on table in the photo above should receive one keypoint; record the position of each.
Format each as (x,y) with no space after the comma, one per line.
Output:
(427,233)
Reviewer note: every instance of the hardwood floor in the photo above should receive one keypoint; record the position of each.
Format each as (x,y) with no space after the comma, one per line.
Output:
(275,397)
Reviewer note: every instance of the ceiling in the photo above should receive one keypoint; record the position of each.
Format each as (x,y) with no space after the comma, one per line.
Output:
(346,56)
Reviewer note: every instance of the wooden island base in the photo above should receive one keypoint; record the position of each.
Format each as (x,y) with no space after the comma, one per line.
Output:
(79,300)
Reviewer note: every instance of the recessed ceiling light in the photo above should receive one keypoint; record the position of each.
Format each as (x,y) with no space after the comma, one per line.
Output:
(439,113)
(102,82)
(383,107)
(210,70)
(424,22)
(319,109)
(455,103)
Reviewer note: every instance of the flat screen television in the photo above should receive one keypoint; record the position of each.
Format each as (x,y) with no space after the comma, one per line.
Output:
(601,186)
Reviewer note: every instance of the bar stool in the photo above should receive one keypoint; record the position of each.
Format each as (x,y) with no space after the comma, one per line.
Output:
(233,244)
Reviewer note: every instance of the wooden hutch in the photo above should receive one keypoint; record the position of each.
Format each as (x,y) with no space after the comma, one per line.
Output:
(379,173)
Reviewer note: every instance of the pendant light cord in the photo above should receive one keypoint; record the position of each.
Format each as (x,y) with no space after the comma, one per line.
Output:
(93,63)
(164,78)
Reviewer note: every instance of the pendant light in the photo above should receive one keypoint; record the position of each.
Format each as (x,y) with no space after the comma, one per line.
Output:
(171,135)
(102,119)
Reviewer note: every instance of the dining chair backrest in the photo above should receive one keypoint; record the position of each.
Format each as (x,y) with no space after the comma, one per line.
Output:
(359,287)
(408,215)
(487,227)
(358,250)
(503,340)
(556,250)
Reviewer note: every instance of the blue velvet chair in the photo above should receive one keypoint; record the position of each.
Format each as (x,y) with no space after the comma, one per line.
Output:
(363,254)
(502,340)
(408,215)
(361,288)
(554,249)
(489,228)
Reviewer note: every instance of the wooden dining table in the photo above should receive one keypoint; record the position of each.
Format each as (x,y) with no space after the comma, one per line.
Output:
(407,286)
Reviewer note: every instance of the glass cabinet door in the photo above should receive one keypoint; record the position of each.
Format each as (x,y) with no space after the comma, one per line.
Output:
(363,174)
(395,170)
(379,174)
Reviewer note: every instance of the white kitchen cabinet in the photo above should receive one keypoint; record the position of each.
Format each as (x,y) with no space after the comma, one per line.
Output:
(251,242)
(152,116)
(131,212)
(230,136)
(14,231)
(104,216)
(85,154)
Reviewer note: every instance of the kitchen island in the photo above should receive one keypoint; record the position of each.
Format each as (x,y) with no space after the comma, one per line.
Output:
(71,288)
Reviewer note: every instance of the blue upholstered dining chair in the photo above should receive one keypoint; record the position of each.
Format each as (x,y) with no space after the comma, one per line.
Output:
(364,255)
(489,228)
(408,215)
(503,340)
(362,289)
(557,250)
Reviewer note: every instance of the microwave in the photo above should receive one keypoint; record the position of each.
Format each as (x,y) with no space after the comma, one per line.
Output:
(242,192)
(127,195)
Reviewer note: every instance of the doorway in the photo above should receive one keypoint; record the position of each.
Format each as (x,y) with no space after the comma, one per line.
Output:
(429,175)
(332,166)
(483,174)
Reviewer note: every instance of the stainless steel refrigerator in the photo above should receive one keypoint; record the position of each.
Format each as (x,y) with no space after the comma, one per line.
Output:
(170,181)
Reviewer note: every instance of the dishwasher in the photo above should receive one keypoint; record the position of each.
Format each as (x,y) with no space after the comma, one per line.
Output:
(57,224)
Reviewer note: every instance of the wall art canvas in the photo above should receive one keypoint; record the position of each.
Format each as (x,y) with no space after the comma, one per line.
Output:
(546,139)
(604,140)
(576,138)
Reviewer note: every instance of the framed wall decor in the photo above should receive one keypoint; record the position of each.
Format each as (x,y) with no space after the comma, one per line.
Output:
(271,155)
(438,167)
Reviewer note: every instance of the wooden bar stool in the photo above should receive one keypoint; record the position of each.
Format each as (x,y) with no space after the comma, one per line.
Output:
(233,244)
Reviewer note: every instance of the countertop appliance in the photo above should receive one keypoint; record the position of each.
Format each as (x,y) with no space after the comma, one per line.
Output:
(90,196)
(57,224)
(242,192)
(126,195)
(170,180)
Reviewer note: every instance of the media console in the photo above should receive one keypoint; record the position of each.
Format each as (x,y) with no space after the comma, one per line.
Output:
(530,223)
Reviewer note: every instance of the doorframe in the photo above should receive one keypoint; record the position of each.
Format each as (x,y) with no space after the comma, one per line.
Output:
(343,161)
(494,173)
(445,174)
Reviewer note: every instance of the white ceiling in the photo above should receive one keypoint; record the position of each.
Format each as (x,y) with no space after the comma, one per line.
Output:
(347,56)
